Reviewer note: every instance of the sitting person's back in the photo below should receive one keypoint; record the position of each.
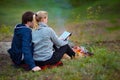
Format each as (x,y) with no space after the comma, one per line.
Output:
(44,38)
(20,51)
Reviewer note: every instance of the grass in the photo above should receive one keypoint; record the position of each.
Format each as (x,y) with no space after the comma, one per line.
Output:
(104,65)
(58,9)
(113,28)
(6,33)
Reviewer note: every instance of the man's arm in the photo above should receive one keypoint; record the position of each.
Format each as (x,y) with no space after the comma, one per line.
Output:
(26,47)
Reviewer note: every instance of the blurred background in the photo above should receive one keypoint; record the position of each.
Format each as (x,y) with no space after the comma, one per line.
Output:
(88,20)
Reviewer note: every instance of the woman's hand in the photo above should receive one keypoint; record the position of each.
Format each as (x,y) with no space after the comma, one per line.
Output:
(36,68)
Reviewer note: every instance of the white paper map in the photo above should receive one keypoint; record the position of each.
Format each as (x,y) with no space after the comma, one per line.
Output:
(65,35)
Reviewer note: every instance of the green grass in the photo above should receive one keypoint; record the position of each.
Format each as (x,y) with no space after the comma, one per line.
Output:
(6,33)
(104,65)
(10,14)
(114,28)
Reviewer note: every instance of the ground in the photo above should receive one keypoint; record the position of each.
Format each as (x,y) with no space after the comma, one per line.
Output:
(99,37)
(8,72)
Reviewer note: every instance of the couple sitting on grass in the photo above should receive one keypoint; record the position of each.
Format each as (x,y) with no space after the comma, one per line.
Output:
(37,47)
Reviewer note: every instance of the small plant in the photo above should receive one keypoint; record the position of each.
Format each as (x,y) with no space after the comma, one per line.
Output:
(77,19)
(5,32)
(93,12)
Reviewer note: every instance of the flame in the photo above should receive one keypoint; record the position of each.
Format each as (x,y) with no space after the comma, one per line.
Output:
(78,51)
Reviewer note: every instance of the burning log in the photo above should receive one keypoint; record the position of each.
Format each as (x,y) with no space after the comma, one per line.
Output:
(81,51)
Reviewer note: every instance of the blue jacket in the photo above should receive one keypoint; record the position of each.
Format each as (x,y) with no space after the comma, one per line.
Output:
(22,45)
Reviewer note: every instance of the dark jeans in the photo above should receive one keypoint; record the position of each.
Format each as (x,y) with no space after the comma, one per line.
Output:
(57,55)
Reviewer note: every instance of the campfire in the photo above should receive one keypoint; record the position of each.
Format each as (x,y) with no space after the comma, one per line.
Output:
(80,52)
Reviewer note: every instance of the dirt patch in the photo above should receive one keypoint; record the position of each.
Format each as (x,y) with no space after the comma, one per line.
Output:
(4,61)
(91,31)
(4,46)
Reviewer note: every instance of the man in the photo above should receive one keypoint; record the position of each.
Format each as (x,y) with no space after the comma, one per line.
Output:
(21,48)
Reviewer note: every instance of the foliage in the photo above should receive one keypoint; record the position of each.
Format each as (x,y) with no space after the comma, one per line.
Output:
(94,12)
(67,10)
(5,32)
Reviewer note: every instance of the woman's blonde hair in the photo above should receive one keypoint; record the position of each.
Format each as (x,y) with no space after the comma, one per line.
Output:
(37,18)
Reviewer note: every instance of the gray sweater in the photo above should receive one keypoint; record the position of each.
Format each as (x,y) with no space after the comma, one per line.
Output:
(43,39)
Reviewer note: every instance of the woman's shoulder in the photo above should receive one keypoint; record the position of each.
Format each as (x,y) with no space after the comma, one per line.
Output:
(48,28)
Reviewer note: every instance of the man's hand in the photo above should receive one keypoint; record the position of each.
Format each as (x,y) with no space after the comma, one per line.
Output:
(36,68)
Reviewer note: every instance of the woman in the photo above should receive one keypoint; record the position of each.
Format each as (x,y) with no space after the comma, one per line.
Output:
(43,38)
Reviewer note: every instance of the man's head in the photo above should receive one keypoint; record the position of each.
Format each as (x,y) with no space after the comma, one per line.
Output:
(27,18)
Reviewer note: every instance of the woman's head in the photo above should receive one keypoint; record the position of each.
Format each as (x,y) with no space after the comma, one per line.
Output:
(40,16)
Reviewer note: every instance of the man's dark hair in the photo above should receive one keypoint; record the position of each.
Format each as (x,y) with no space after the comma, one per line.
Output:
(27,16)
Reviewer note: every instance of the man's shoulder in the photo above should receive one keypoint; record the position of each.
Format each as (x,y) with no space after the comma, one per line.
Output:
(22,30)
(22,27)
